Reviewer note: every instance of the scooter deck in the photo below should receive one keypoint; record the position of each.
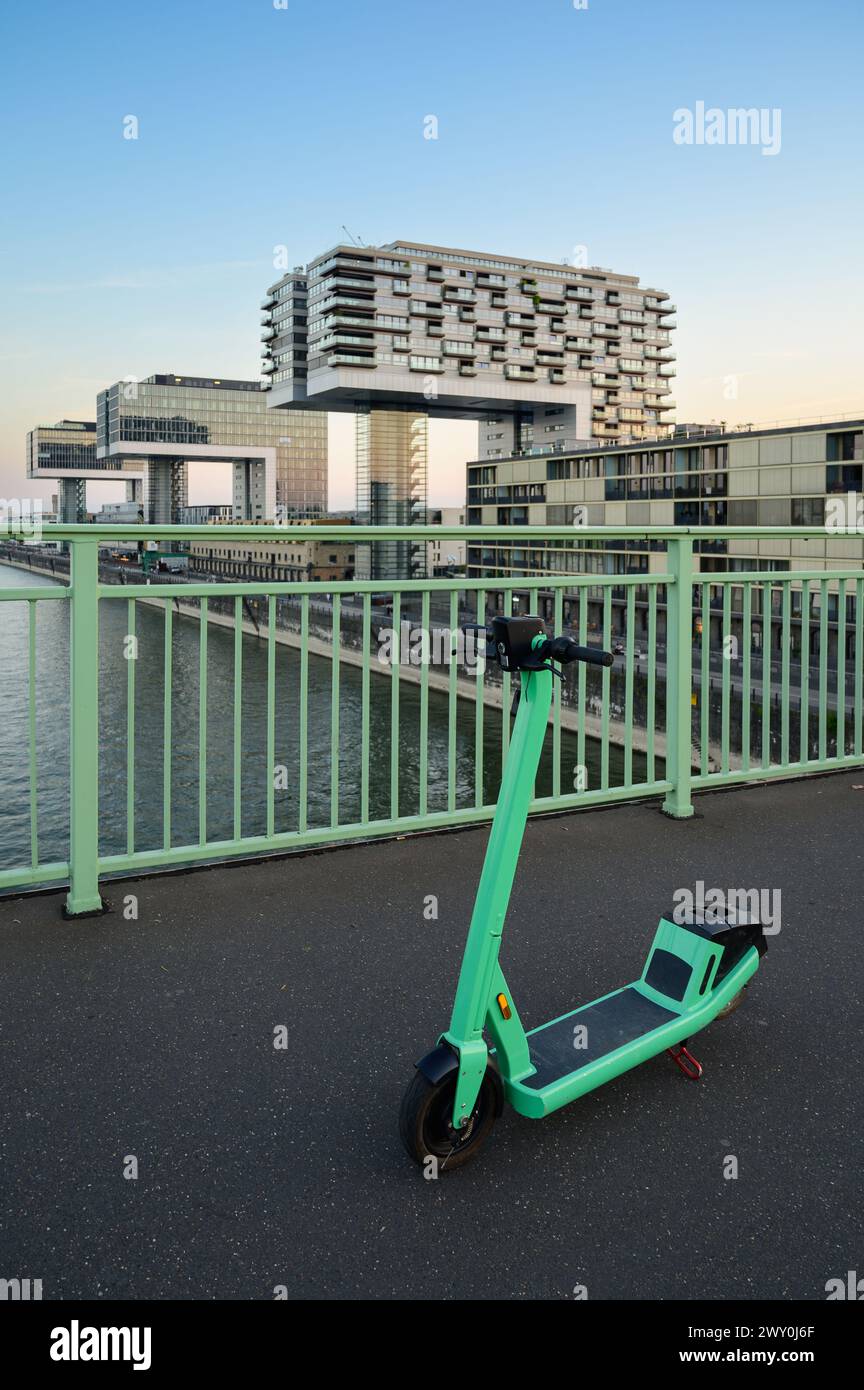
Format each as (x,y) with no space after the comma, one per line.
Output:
(621,1030)
(609,1023)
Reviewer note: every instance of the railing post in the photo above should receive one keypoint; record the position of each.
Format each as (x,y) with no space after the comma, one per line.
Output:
(84,896)
(679,678)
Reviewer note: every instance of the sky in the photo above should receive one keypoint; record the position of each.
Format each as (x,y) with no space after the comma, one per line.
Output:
(262,125)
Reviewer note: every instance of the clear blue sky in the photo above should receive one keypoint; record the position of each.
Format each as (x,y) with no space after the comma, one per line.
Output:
(260,126)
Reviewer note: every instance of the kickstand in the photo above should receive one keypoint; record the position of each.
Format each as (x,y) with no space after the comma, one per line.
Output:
(686,1061)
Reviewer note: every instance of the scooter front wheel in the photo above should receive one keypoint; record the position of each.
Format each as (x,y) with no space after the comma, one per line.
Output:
(425,1122)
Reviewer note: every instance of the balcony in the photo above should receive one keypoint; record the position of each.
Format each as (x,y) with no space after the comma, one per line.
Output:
(350,359)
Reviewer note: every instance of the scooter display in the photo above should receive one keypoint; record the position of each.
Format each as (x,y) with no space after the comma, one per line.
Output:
(695,971)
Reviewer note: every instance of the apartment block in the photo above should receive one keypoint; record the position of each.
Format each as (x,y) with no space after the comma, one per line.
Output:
(471,334)
(772,477)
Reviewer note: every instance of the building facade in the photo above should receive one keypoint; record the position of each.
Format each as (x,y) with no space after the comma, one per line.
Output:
(289,561)
(67,452)
(166,421)
(392,451)
(446,557)
(776,477)
(472,334)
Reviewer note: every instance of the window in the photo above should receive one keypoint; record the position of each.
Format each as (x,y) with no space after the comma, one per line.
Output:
(846,447)
(808,511)
(843,477)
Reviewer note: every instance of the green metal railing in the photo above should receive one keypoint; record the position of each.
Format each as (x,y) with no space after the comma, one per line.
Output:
(706,708)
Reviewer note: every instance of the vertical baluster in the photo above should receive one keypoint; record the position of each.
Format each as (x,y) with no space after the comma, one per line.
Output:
(31,702)
(766,673)
(479,709)
(705,682)
(582,686)
(271,715)
(424,703)
(746,671)
(805,672)
(364,701)
(823,670)
(505,696)
(452,708)
(859,664)
(394,707)
(167,669)
(726,679)
(131,664)
(303,780)
(841,669)
(202,724)
(628,685)
(785,639)
(558,627)
(335,672)
(238,717)
(604,722)
(651,714)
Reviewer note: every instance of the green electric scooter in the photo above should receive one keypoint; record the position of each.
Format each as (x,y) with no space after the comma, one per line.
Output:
(696,970)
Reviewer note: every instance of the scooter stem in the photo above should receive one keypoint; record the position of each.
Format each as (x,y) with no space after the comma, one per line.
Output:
(477,975)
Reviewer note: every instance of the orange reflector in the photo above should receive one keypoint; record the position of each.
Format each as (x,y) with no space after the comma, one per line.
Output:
(504,1006)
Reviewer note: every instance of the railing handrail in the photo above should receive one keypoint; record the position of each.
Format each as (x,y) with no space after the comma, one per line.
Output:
(93,531)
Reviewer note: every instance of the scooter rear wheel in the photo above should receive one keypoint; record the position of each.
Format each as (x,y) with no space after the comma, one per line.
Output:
(734,1003)
(425,1122)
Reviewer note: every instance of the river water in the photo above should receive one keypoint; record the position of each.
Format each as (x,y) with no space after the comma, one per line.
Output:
(52,738)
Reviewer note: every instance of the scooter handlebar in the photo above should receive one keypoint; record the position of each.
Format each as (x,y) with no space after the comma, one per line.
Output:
(564,649)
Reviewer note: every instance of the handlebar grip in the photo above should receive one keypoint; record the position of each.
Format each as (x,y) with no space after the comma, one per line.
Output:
(594,656)
(564,649)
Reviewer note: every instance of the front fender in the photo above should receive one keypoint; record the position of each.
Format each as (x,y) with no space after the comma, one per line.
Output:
(444,1059)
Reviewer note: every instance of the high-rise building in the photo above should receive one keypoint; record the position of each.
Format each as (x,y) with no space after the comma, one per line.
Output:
(532,350)
(166,421)
(464,333)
